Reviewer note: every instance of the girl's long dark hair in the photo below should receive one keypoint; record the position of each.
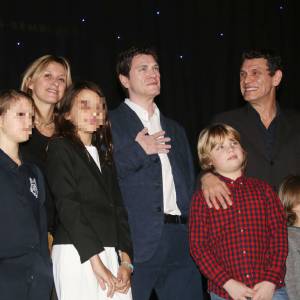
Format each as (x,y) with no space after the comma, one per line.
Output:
(101,138)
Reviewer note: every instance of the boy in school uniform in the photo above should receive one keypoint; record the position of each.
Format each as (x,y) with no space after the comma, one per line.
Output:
(242,249)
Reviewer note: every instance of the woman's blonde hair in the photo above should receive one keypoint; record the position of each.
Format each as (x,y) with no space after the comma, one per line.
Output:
(210,137)
(289,194)
(38,65)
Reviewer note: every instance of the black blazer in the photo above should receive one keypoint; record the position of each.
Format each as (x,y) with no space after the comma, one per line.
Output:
(89,205)
(286,150)
(25,266)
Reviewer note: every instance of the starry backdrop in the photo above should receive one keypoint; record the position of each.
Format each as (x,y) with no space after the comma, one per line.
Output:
(199,43)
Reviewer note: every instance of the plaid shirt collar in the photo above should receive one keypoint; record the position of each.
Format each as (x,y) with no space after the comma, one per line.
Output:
(240,180)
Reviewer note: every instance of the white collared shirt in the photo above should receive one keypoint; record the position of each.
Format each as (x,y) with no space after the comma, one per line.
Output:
(153,125)
(94,154)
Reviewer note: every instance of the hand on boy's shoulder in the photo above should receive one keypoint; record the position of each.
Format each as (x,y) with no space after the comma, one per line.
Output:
(215,191)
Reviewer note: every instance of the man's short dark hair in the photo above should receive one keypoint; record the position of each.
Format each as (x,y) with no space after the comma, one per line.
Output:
(273,59)
(125,58)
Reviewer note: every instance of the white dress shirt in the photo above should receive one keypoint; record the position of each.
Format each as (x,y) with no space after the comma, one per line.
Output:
(153,125)
(94,154)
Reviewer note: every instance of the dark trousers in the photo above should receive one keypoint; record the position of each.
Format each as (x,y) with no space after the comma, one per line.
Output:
(171,271)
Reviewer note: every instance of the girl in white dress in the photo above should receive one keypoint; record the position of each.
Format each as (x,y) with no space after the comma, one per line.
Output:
(92,248)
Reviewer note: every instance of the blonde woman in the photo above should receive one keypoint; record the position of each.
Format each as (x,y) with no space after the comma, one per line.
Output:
(45,80)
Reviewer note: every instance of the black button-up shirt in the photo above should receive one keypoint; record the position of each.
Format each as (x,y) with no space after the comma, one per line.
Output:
(269,134)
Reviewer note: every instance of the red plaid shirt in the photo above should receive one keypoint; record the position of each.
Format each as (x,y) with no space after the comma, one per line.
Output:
(246,242)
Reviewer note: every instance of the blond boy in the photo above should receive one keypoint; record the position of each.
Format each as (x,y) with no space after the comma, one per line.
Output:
(242,249)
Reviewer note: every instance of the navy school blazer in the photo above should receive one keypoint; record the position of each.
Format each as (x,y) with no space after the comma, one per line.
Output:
(25,266)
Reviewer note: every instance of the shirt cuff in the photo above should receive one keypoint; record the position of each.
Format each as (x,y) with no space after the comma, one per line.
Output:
(221,278)
(273,277)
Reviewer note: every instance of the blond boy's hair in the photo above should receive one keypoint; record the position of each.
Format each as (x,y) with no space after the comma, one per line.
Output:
(210,137)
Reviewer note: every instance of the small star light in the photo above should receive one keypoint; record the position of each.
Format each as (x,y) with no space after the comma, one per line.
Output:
(221,34)
(118,37)
(19,44)
(83,20)
(157,12)
(281,7)
(181,56)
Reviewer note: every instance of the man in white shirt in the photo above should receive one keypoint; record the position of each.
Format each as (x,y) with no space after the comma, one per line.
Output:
(156,177)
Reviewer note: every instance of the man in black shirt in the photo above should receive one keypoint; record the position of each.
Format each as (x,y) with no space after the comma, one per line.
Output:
(270,135)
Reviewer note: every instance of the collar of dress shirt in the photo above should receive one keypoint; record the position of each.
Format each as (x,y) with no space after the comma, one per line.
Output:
(140,111)
(227,180)
(254,112)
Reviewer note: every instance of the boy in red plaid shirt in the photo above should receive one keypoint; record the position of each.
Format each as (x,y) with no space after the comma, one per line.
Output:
(241,249)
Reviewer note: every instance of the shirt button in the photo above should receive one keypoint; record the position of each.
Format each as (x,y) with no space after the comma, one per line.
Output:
(239,211)
(247,276)
(158,209)
(244,252)
(242,230)
(231,182)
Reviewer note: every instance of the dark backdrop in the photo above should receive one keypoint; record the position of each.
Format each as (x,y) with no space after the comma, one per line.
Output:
(199,43)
